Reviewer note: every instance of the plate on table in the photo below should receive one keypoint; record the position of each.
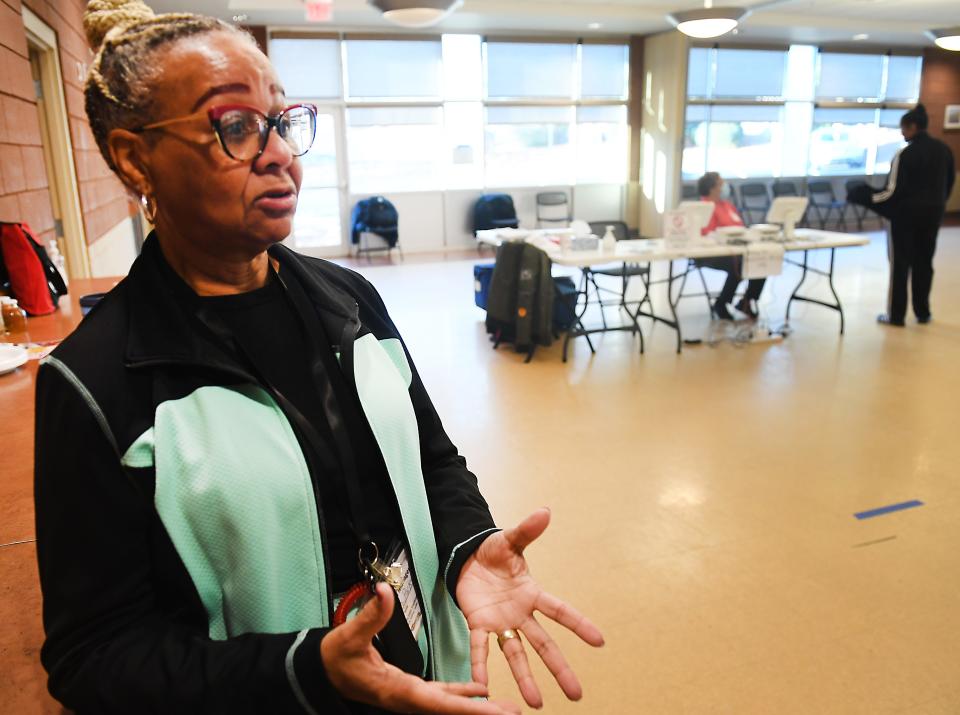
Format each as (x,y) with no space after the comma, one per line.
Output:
(766,229)
(512,234)
(11,357)
(731,231)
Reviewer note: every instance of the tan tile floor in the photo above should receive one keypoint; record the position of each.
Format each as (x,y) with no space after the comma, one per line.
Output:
(702,503)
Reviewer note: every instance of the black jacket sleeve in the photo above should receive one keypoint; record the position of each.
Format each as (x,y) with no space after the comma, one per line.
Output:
(112,645)
(461,517)
(951,172)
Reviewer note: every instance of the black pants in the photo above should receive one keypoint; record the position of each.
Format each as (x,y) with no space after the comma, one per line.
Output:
(733,267)
(913,241)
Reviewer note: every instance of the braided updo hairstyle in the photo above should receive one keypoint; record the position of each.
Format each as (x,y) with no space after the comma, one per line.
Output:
(126,34)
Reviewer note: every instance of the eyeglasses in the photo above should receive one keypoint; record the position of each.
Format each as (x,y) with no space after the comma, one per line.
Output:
(243,131)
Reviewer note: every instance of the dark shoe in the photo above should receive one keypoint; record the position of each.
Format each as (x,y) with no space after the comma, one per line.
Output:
(885,319)
(720,310)
(746,307)
(925,320)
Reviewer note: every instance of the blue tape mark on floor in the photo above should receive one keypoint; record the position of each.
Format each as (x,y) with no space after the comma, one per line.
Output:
(888,509)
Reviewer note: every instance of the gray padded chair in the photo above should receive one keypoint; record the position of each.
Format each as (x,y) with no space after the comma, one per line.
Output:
(825,204)
(553,207)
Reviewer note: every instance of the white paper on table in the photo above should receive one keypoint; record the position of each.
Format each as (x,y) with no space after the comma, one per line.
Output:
(762,260)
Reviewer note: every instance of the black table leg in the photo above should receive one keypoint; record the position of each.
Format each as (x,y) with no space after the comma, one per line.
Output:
(675,321)
(835,305)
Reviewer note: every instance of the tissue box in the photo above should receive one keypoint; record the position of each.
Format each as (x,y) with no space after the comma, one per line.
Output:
(585,243)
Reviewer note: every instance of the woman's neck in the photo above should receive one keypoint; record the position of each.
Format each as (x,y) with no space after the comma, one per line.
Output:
(212,274)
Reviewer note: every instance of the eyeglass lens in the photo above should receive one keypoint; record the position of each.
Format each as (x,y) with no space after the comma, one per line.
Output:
(245,132)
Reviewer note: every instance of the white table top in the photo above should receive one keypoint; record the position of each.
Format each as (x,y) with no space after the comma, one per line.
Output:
(658,249)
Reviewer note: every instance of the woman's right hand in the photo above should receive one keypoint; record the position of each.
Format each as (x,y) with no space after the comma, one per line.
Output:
(359,673)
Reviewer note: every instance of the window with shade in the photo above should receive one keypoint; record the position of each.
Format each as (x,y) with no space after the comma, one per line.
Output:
(530,70)
(395,148)
(841,141)
(529,146)
(555,113)
(739,141)
(460,111)
(393,70)
(308,68)
(757,113)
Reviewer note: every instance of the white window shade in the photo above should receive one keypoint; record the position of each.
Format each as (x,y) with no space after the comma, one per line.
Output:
(610,114)
(385,116)
(394,69)
(308,68)
(603,71)
(844,116)
(750,73)
(850,77)
(529,115)
(903,79)
(698,73)
(518,70)
(745,113)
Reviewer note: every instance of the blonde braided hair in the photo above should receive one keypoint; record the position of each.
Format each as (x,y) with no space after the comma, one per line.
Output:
(125,34)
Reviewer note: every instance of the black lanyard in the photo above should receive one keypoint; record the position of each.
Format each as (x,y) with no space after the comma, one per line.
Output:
(314,332)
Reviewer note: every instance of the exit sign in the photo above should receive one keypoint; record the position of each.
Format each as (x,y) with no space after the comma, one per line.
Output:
(319,10)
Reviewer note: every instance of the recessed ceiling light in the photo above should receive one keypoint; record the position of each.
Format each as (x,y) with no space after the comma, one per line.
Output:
(240,18)
(861,36)
(594,26)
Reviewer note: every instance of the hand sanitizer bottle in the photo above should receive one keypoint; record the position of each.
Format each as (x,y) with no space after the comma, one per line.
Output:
(609,241)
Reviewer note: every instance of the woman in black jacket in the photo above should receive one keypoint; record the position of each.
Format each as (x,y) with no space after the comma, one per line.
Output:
(234,450)
(920,182)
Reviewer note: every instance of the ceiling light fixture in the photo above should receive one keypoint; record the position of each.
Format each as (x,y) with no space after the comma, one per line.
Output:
(415,13)
(707,21)
(946,37)
(594,26)
(861,37)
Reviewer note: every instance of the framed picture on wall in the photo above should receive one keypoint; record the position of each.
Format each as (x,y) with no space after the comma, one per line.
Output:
(951,117)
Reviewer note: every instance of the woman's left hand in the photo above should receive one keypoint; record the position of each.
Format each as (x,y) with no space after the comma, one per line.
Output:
(497,593)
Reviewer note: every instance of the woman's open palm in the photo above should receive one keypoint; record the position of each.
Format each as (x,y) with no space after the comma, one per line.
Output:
(497,593)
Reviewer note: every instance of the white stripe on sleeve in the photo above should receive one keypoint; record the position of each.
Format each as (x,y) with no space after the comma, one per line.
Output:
(888,192)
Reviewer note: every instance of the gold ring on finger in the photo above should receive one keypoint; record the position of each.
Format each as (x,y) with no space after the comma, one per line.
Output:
(505,636)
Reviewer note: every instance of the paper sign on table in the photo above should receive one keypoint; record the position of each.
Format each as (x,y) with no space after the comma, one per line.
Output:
(762,260)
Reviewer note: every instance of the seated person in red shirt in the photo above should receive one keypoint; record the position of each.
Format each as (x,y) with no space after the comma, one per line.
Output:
(710,187)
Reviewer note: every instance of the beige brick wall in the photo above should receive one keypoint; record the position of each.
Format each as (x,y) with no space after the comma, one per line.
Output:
(24,185)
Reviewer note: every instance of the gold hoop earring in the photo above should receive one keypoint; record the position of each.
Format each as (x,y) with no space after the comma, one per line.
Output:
(149,205)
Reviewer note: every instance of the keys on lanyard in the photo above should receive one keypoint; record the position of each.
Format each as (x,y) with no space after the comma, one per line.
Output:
(375,570)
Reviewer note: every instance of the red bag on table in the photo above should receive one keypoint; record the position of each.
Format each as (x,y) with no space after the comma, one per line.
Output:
(27,271)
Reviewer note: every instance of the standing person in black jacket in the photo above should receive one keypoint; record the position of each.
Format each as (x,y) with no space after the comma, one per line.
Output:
(921,179)
(245,499)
